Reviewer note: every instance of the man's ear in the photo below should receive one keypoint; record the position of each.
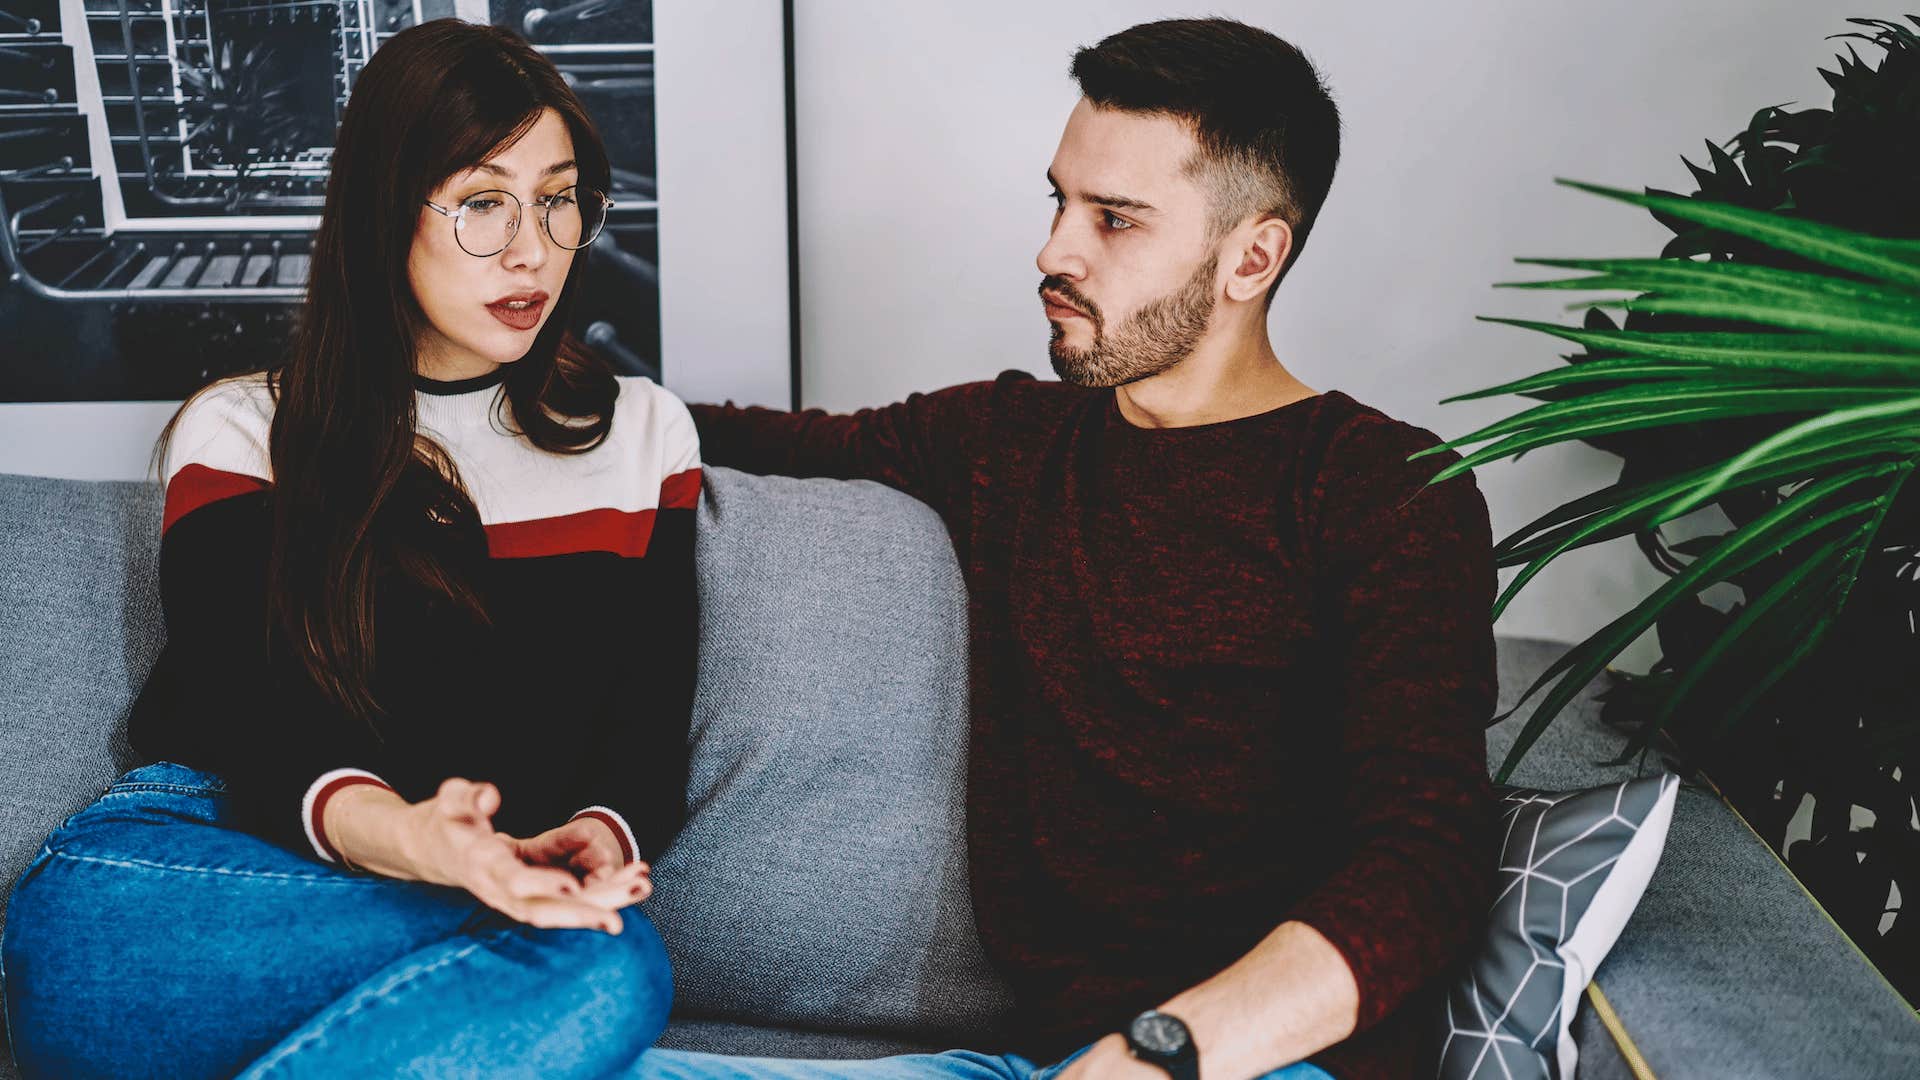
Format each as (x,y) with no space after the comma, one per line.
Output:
(1262,247)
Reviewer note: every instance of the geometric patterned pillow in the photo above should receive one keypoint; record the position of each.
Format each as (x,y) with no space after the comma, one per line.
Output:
(1573,866)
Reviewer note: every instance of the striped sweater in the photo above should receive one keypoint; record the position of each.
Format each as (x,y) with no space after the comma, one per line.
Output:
(573,698)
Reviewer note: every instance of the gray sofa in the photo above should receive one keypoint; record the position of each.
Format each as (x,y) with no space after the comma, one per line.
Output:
(816,903)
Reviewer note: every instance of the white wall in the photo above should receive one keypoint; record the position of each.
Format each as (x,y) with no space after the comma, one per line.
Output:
(82,440)
(723,200)
(925,131)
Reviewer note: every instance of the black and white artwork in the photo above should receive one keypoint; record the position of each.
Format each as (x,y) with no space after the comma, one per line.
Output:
(163,165)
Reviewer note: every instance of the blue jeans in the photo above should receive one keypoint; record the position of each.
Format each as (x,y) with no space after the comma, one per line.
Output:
(952,1065)
(149,938)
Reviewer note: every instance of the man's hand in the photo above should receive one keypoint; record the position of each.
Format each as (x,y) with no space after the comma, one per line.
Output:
(1109,1059)
(587,849)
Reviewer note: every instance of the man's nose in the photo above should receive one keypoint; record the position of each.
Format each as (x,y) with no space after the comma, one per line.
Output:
(1060,256)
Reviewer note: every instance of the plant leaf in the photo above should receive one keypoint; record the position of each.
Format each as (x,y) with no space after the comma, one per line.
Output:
(1883,260)
(1799,354)
(1812,577)
(1876,324)
(1610,370)
(1901,411)
(1728,398)
(1647,275)
(1518,444)
(1780,527)
(1844,446)
(1622,509)
(1843,585)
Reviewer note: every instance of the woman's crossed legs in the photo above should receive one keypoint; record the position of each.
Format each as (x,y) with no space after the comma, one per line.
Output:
(149,939)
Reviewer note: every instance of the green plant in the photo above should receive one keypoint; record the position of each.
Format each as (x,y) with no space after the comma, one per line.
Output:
(1839,357)
(1768,366)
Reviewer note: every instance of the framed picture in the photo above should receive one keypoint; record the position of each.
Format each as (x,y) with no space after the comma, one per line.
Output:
(163,165)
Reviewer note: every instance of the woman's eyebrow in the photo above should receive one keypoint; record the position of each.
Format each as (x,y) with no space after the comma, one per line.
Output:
(507,174)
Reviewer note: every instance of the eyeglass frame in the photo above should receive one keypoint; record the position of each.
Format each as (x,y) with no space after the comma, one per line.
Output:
(456,214)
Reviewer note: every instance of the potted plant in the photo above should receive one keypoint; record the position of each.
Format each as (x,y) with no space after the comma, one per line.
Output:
(1767,369)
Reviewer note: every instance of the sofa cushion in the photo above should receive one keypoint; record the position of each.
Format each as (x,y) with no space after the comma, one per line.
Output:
(820,881)
(79,628)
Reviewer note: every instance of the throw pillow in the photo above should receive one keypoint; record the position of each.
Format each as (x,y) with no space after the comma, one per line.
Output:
(1573,865)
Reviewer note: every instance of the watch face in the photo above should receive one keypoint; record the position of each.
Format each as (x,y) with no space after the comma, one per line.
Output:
(1159,1033)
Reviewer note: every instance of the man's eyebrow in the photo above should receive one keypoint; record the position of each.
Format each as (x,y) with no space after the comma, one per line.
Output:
(1117,202)
(507,174)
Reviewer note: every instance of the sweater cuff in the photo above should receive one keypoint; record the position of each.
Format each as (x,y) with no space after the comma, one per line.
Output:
(612,820)
(314,805)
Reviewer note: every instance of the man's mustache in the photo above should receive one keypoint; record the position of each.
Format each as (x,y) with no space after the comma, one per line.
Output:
(1064,289)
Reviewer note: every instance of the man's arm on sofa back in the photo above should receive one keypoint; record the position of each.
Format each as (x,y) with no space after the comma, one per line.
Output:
(923,446)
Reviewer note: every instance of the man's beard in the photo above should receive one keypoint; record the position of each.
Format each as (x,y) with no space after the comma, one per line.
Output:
(1150,341)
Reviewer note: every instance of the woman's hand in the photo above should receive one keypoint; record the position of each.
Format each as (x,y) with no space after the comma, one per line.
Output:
(586,848)
(450,840)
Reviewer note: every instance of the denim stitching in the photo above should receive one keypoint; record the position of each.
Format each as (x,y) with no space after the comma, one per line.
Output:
(143,864)
(366,998)
(170,789)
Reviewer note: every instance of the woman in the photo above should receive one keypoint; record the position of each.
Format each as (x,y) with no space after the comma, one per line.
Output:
(422,710)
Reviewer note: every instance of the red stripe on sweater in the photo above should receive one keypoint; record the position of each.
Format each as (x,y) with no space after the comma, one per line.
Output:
(196,485)
(619,833)
(320,809)
(622,532)
(681,491)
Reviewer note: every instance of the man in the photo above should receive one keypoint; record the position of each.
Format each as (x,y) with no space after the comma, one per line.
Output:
(1231,657)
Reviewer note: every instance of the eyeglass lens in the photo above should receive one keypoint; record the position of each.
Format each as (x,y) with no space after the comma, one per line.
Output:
(488,220)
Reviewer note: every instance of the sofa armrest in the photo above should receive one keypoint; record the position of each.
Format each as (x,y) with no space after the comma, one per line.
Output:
(1729,968)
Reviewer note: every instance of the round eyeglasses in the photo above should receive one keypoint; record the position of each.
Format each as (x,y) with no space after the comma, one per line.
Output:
(486,222)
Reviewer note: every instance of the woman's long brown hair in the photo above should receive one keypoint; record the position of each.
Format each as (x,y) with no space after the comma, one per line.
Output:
(352,480)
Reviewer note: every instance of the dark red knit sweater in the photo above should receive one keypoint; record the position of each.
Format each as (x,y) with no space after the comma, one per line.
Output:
(1223,677)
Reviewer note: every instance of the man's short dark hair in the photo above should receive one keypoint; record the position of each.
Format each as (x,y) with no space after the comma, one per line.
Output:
(1268,129)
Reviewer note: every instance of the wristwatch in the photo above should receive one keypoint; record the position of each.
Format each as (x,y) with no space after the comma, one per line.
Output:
(1162,1039)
